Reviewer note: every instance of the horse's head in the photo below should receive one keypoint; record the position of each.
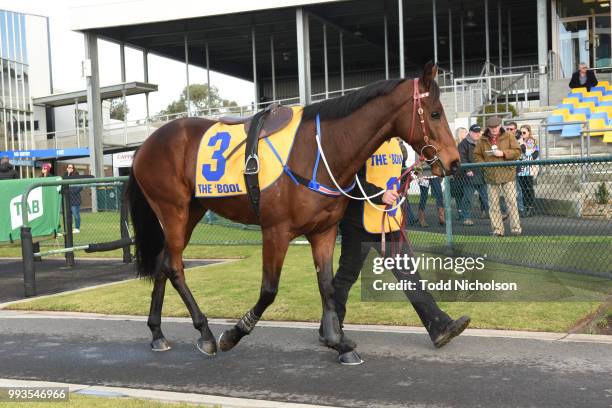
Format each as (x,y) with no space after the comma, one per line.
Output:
(422,123)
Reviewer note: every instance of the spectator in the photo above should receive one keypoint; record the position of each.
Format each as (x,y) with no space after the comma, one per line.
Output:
(583,78)
(472,180)
(425,184)
(455,182)
(408,213)
(512,127)
(498,145)
(7,171)
(529,151)
(75,198)
(46,170)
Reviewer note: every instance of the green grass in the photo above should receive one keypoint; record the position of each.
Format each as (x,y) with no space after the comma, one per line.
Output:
(87,401)
(228,291)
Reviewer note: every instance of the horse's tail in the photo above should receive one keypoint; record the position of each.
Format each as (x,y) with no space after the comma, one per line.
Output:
(148,234)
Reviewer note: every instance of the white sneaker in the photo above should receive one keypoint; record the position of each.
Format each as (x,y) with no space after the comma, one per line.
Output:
(76,231)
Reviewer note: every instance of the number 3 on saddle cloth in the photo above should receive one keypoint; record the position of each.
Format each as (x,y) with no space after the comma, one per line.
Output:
(221,155)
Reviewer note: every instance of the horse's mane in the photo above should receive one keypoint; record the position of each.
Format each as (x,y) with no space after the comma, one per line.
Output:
(342,106)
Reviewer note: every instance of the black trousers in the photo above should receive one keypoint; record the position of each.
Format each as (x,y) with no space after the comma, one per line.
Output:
(526,185)
(355,246)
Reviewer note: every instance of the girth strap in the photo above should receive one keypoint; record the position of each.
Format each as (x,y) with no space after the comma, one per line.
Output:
(251,163)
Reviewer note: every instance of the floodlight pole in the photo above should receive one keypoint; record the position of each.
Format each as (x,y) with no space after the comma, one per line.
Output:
(435,31)
(254,53)
(386,48)
(273,68)
(303,48)
(325,63)
(543,50)
(187,74)
(400,9)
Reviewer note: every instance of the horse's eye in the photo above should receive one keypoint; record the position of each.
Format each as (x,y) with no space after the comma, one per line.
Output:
(435,115)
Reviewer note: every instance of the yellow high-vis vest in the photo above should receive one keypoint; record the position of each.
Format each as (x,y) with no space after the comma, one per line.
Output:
(383,169)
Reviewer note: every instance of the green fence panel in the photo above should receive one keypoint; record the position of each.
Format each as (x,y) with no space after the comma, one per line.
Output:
(44,205)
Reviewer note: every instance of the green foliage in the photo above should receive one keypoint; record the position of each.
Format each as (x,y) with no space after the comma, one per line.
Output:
(118,109)
(500,107)
(201,98)
(602,195)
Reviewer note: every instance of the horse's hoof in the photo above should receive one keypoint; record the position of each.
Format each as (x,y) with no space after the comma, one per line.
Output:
(228,340)
(207,347)
(350,358)
(160,344)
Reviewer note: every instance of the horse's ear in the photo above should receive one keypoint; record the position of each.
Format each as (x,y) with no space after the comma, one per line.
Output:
(429,73)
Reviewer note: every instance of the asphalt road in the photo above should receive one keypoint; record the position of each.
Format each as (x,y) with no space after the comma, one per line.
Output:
(285,364)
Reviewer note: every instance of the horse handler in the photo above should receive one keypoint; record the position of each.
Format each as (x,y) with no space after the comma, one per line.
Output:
(361,229)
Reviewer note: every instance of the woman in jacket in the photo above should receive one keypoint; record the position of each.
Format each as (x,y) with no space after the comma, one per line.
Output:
(529,151)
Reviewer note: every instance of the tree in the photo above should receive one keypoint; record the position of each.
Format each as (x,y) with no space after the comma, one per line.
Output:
(118,109)
(199,96)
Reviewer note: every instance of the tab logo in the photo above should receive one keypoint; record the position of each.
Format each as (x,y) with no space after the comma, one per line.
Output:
(35,208)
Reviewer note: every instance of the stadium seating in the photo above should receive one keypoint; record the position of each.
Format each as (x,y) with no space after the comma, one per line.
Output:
(593,107)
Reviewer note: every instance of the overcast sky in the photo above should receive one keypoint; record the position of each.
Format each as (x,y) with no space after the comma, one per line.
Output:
(67,48)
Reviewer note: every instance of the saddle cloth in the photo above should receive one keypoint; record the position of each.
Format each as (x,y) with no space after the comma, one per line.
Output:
(217,175)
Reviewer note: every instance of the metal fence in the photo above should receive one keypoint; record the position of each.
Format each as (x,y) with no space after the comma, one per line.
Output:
(553,214)
(564,212)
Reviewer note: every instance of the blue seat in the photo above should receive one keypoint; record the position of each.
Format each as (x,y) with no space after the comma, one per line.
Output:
(552,119)
(571,130)
(568,106)
(593,99)
(586,111)
(601,89)
(601,115)
(575,95)
(605,103)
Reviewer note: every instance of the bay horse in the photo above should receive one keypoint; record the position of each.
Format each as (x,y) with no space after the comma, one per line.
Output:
(165,211)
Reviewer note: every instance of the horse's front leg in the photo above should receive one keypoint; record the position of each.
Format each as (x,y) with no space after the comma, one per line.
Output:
(275,244)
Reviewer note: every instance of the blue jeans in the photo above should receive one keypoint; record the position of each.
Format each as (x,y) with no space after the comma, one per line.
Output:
(76,213)
(519,198)
(436,191)
(466,201)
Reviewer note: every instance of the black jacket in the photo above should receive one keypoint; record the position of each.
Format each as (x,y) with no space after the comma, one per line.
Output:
(466,153)
(75,191)
(590,82)
(7,171)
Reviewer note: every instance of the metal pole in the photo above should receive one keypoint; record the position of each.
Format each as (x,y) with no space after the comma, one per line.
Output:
(402,69)
(341,63)
(450,40)
(123,227)
(487,49)
(49,57)
(499,33)
(94,113)
(187,75)
(145,70)
(386,48)
(435,31)
(27,254)
(123,95)
(303,47)
(209,101)
(68,236)
(273,68)
(325,64)
(448,216)
(254,54)
(77,126)
(543,50)
(510,39)
(462,47)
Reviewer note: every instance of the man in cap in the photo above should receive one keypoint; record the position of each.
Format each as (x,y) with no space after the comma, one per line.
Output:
(498,145)
(7,171)
(472,180)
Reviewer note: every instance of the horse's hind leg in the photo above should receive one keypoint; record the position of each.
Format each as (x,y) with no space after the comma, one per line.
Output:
(275,244)
(177,229)
(159,342)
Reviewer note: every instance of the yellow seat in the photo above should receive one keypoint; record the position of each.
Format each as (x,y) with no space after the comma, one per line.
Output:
(562,112)
(573,100)
(577,117)
(579,90)
(592,94)
(606,98)
(607,109)
(587,105)
(597,124)
(603,83)
(607,137)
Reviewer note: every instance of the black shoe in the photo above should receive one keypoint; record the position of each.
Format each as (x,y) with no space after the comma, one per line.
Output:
(453,329)
(345,341)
